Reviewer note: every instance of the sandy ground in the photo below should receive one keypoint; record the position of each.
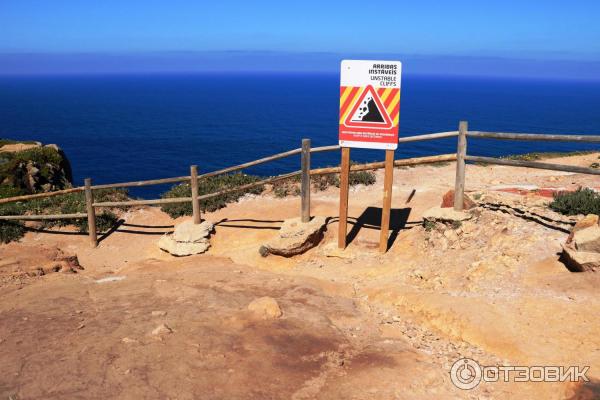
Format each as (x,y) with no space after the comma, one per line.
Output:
(356,324)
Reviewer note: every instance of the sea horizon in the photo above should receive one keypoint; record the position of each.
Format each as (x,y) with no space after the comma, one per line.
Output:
(133,126)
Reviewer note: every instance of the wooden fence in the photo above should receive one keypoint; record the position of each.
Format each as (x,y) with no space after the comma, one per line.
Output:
(305,173)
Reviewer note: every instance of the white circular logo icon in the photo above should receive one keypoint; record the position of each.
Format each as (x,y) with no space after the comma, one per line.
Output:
(465,374)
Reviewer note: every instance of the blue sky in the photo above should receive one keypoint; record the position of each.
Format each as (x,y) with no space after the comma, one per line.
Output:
(561,37)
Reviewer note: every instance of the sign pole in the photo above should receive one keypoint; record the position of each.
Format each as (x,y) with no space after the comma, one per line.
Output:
(344,188)
(387,200)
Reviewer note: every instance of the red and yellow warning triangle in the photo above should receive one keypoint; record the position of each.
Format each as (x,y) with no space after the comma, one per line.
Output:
(369,107)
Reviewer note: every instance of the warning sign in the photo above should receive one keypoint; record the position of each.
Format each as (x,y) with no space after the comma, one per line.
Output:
(369,104)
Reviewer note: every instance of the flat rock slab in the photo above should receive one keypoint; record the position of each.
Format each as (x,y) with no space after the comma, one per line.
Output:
(295,237)
(180,249)
(445,215)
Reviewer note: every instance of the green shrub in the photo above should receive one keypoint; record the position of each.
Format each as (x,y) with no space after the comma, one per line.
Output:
(11,231)
(361,178)
(323,182)
(429,225)
(287,187)
(10,191)
(582,201)
(64,204)
(210,185)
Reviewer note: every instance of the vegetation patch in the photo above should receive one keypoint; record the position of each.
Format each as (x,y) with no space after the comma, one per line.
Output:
(210,185)
(71,203)
(291,186)
(35,170)
(541,155)
(11,231)
(582,201)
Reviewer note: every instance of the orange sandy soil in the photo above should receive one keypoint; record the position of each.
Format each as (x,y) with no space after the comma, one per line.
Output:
(356,324)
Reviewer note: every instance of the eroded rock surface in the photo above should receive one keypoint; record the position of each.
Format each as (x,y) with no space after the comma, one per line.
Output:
(440,214)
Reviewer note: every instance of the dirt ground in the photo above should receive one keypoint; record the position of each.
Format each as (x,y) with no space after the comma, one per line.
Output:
(356,324)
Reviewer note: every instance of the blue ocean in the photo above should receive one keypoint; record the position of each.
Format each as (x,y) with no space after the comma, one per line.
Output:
(126,127)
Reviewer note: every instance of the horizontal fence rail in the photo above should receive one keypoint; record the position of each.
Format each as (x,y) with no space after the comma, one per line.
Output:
(534,137)
(42,217)
(41,195)
(428,136)
(460,157)
(533,164)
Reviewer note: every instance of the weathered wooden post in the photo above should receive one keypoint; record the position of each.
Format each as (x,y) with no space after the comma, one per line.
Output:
(344,188)
(461,152)
(387,200)
(305,182)
(91,213)
(194,186)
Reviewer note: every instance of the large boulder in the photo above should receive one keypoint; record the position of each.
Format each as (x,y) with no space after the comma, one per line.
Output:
(581,252)
(588,239)
(580,261)
(187,239)
(585,222)
(448,201)
(295,237)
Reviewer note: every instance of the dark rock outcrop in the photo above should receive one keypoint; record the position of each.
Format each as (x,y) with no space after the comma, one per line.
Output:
(34,168)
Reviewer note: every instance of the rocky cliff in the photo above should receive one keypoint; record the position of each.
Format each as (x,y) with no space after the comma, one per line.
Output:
(30,167)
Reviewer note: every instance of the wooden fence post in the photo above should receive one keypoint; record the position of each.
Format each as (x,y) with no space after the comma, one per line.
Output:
(387,200)
(305,182)
(461,152)
(344,188)
(91,213)
(195,201)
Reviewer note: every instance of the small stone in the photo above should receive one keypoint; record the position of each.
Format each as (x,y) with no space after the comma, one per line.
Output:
(159,313)
(266,308)
(128,340)
(162,329)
